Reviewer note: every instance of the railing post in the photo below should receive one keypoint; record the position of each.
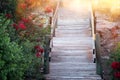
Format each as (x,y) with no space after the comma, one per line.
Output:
(96,37)
(46,54)
(98,55)
(94,21)
(50,20)
(48,39)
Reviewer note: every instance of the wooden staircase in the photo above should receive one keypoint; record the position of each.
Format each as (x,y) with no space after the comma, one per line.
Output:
(72,52)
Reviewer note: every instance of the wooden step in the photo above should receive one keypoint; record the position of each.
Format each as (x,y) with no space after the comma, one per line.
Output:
(72,31)
(74,27)
(72,21)
(72,78)
(73,35)
(63,65)
(71,53)
(75,39)
(75,74)
(72,24)
(67,72)
(71,48)
(73,42)
(72,59)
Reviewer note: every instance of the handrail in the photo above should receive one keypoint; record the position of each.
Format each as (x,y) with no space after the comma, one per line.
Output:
(48,39)
(92,21)
(54,20)
(96,38)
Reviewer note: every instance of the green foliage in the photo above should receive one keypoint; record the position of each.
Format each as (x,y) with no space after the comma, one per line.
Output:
(5,6)
(34,64)
(18,59)
(12,65)
(9,27)
(115,55)
(114,61)
(17,55)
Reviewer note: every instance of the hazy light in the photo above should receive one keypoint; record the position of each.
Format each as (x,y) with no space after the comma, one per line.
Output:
(113,6)
(75,4)
(106,3)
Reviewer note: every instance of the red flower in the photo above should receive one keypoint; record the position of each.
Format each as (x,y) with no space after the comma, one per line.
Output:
(38,54)
(37,46)
(25,20)
(22,26)
(115,65)
(8,16)
(15,26)
(23,6)
(117,74)
(39,49)
(48,9)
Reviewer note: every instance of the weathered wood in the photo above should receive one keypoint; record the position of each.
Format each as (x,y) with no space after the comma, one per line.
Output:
(98,55)
(72,53)
(46,54)
(96,37)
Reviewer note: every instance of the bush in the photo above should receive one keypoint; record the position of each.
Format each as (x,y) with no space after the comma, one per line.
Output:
(19,60)
(115,63)
(17,56)
(35,64)
(8,6)
(12,64)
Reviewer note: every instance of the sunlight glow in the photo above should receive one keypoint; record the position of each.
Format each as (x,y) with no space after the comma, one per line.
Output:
(75,4)
(106,3)
(110,6)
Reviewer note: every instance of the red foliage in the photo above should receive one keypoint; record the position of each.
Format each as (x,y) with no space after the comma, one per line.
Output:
(29,1)
(38,54)
(30,17)
(37,46)
(39,49)
(48,9)
(22,26)
(23,6)
(117,74)
(25,20)
(114,32)
(15,26)
(8,16)
(115,65)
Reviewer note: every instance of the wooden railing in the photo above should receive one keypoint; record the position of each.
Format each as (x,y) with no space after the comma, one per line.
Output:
(54,20)
(54,23)
(97,47)
(49,38)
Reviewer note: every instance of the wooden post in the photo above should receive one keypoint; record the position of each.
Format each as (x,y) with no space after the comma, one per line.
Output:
(98,55)
(46,54)
(49,43)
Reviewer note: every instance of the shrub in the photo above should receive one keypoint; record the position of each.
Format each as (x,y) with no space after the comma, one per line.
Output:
(115,63)
(8,6)
(18,36)
(12,64)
